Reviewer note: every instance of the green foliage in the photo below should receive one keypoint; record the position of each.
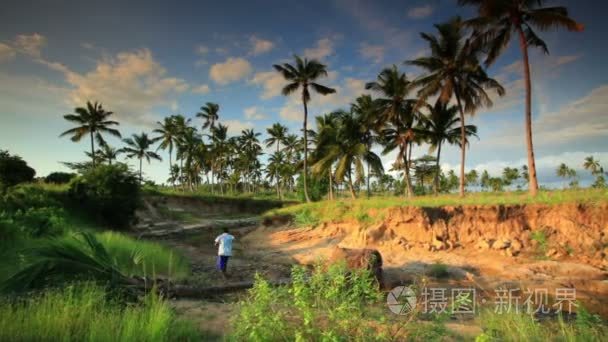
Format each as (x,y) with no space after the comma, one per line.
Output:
(327,305)
(318,186)
(28,211)
(306,218)
(522,327)
(438,270)
(59,177)
(541,238)
(109,191)
(14,170)
(136,257)
(83,312)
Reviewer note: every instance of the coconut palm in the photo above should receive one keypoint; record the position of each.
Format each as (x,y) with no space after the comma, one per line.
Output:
(442,125)
(349,151)
(210,113)
(188,149)
(168,133)
(453,70)
(91,120)
(366,110)
(138,146)
(277,134)
(497,21)
(326,136)
(108,153)
(276,163)
(593,165)
(393,108)
(302,76)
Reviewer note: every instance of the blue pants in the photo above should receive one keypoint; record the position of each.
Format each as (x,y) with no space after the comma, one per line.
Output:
(222,262)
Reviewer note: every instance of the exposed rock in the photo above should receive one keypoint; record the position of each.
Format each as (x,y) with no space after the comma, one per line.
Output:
(359,258)
(502,243)
(483,244)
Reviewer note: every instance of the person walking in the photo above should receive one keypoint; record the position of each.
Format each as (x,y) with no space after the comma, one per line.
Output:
(224,251)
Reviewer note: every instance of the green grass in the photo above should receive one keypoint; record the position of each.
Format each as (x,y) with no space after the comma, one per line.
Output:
(83,312)
(143,258)
(204,196)
(522,327)
(327,211)
(438,270)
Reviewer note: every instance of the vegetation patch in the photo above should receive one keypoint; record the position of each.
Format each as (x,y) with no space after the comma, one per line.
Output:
(84,312)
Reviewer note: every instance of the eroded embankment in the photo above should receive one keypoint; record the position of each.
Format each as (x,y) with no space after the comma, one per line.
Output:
(523,246)
(215,205)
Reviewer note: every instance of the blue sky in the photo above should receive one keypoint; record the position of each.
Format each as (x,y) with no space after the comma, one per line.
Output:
(147,59)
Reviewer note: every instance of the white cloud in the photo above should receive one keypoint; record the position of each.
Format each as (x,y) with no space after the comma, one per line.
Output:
(373,52)
(420,12)
(324,48)
(271,81)
(7,53)
(233,69)
(30,44)
(260,46)
(236,126)
(201,89)
(130,84)
(202,50)
(254,113)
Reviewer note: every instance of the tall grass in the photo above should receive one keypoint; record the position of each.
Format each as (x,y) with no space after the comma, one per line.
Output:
(143,258)
(522,327)
(326,211)
(84,313)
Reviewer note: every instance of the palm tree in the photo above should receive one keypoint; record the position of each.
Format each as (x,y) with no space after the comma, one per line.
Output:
(108,153)
(276,163)
(209,112)
(493,28)
(92,120)
(304,75)
(277,134)
(349,151)
(366,109)
(189,146)
(394,108)
(219,136)
(443,125)
(326,137)
(565,172)
(453,70)
(168,135)
(593,166)
(138,146)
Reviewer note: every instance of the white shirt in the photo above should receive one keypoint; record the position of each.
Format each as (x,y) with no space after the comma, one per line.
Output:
(225,241)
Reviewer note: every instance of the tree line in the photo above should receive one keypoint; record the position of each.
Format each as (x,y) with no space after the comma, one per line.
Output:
(403,113)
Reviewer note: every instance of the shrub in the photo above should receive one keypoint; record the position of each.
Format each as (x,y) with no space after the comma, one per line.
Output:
(438,270)
(327,305)
(14,170)
(59,177)
(109,191)
(318,187)
(83,312)
(27,211)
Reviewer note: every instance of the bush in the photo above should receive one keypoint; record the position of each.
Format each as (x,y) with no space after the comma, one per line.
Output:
(28,211)
(59,177)
(111,192)
(14,170)
(318,187)
(84,313)
(330,305)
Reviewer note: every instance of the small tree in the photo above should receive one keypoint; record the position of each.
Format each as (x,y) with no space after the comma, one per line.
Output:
(14,170)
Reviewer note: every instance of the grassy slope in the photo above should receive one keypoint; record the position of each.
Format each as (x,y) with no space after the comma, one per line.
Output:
(325,211)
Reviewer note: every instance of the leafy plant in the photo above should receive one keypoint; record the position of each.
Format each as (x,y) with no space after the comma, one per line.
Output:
(109,191)
(438,270)
(14,170)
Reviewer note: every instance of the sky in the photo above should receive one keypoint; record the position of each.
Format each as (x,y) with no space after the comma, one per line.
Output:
(148,59)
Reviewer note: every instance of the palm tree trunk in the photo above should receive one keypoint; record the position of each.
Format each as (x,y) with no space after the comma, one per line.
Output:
(92,149)
(331,185)
(463,140)
(141,180)
(369,192)
(171,166)
(437,170)
(305,146)
(533,182)
(408,180)
(350,185)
